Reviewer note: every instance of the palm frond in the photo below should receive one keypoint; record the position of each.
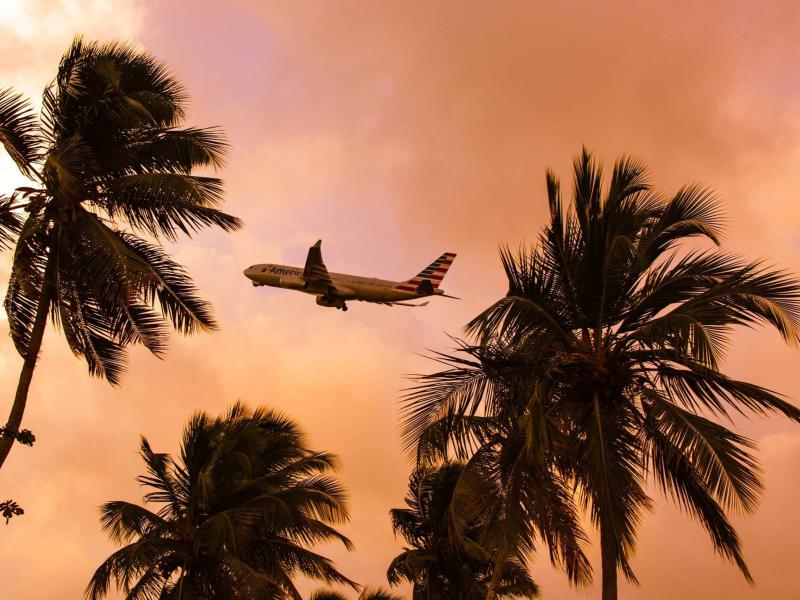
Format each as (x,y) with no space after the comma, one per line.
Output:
(439,398)
(693,211)
(377,594)
(19,132)
(683,479)
(122,521)
(167,203)
(327,595)
(27,280)
(132,562)
(720,458)
(161,479)
(10,220)
(172,287)
(177,150)
(696,385)
(85,320)
(534,302)
(587,189)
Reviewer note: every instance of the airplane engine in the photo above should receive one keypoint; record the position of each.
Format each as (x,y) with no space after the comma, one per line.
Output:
(329,302)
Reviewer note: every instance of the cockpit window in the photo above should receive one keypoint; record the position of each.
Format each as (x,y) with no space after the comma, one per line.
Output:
(264,270)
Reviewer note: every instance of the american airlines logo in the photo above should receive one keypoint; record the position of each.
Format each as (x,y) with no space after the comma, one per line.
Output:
(282,270)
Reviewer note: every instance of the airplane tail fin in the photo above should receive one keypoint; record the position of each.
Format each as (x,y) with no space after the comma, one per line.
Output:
(428,280)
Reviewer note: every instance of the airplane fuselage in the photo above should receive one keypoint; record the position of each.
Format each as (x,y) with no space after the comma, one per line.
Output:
(348,287)
(335,289)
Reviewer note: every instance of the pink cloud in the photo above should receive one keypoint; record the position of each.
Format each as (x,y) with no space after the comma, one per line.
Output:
(396,131)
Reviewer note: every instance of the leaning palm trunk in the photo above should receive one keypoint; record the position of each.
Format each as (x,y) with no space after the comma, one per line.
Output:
(26,375)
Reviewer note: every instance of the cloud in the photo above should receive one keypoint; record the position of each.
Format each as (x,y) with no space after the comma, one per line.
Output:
(396,131)
(34,34)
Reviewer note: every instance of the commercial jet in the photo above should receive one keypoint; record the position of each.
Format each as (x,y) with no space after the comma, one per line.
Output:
(334,289)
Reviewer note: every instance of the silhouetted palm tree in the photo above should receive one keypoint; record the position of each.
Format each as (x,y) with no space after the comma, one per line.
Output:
(238,513)
(479,411)
(620,330)
(107,159)
(445,526)
(366,594)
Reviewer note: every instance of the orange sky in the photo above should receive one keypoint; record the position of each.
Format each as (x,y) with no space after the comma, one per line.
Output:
(395,131)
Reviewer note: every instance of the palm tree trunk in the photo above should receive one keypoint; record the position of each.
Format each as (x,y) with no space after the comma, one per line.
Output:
(497,575)
(26,375)
(608,560)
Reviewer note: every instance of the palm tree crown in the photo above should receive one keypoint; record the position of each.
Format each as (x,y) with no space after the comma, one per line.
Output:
(238,512)
(619,327)
(366,594)
(447,559)
(108,160)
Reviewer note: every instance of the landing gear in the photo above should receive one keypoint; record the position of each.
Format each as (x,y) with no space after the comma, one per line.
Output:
(343,307)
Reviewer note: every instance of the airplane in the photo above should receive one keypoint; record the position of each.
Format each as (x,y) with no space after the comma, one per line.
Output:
(334,289)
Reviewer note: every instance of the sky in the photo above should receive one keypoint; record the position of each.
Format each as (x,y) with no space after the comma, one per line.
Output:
(395,131)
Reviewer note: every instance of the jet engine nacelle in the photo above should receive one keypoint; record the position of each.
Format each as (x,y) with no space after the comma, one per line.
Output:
(329,302)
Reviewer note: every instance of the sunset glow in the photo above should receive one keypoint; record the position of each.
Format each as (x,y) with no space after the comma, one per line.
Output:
(396,131)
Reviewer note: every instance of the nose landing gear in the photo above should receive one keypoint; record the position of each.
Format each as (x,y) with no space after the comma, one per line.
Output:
(343,307)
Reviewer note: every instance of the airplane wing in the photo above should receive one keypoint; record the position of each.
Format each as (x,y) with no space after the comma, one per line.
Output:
(391,303)
(315,272)
(408,305)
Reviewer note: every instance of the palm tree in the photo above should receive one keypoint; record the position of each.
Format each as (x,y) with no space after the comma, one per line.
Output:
(107,159)
(238,512)
(621,326)
(366,594)
(479,410)
(446,530)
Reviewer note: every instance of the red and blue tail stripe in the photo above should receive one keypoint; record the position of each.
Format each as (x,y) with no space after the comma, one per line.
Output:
(434,273)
